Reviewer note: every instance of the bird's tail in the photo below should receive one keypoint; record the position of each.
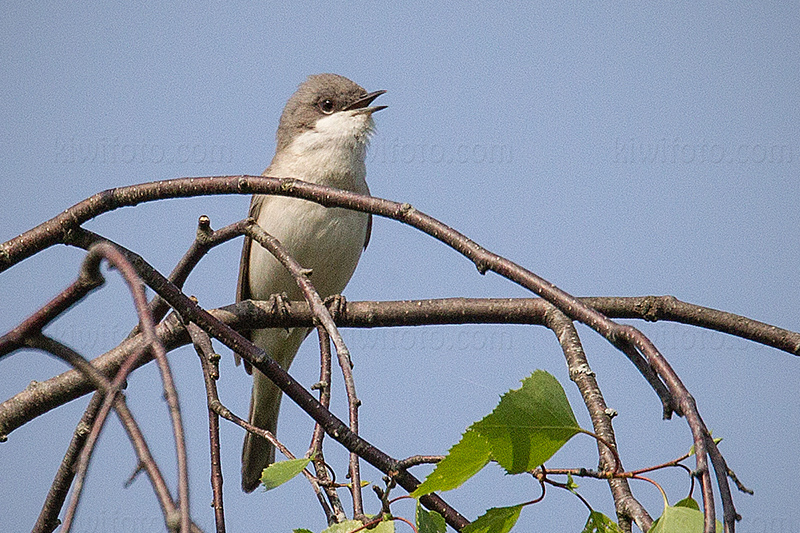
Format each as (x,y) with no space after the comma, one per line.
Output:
(265,402)
(257,452)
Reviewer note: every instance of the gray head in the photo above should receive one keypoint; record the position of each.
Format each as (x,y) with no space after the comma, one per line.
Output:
(322,95)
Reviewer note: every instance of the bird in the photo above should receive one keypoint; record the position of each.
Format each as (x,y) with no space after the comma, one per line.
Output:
(322,138)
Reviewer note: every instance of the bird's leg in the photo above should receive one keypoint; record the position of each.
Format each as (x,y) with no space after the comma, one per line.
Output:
(336,305)
(277,304)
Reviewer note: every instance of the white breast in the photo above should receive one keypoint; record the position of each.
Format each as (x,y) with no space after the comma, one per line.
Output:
(327,240)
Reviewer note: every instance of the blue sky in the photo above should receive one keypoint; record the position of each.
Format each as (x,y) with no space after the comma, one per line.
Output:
(611,148)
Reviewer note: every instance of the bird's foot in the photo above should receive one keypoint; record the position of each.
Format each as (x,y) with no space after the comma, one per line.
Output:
(336,304)
(278,304)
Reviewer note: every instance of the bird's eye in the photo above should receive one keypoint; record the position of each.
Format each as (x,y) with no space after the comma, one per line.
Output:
(326,106)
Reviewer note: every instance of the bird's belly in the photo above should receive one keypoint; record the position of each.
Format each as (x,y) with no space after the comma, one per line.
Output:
(328,241)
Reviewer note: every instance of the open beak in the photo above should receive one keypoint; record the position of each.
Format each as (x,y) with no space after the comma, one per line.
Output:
(362,104)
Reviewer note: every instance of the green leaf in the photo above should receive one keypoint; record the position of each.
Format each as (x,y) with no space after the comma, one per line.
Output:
(716,441)
(463,461)
(571,485)
(529,424)
(682,519)
(343,527)
(600,523)
(688,502)
(495,520)
(279,473)
(429,521)
(386,526)
(302,531)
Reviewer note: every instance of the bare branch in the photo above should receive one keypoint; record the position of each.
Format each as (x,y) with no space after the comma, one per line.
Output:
(48,517)
(16,338)
(637,347)
(628,508)
(44,396)
(208,359)
(204,241)
(323,317)
(91,264)
(218,409)
(315,448)
(83,435)
(62,228)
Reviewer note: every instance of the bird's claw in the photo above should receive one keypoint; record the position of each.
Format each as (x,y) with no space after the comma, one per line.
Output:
(336,304)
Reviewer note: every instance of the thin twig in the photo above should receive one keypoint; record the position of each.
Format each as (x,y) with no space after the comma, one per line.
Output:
(16,338)
(120,262)
(85,433)
(204,349)
(627,507)
(205,240)
(416,460)
(337,513)
(48,517)
(322,316)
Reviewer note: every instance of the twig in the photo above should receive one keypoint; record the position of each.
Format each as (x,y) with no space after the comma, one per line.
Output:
(337,513)
(323,317)
(628,508)
(16,338)
(415,460)
(219,408)
(57,495)
(205,240)
(29,334)
(120,262)
(204,349)
(84,433)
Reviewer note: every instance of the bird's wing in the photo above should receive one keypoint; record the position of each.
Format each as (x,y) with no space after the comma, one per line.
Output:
(369,231)
(243,284)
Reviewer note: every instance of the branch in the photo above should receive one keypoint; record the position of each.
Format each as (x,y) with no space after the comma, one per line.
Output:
(104,250)
(208,360)
(29,334)
(323,318)
(628,508)
(636,346)
(48,517)
(61,228)
(315,448)
(44,396)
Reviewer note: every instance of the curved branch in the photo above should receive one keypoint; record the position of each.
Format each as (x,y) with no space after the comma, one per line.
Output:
(636,346)
(108,251)
(189,310)
(40,398)
(62,228)
(628,508)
